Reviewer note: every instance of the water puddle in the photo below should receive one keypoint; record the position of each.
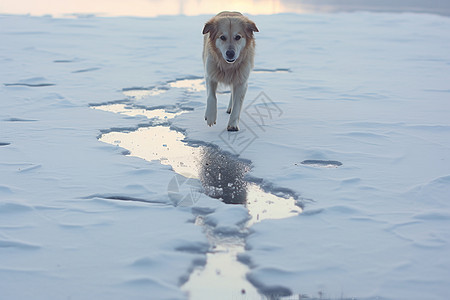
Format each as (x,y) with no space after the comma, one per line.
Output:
(190,84)
(278,70)
(322,163)
(223,276)
(157,143)
(213,172)
(222,175)
(139,93)
(30,84)
(124,109)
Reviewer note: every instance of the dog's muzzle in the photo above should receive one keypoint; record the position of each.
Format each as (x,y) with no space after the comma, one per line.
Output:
(230,56)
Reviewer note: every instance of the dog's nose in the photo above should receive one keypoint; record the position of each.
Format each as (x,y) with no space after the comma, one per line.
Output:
(230,54)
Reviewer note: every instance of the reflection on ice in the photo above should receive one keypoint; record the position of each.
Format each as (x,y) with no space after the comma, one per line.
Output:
(189,84)
(142,93)
(262,206)
(131,111)
(157,143)
(221,175)
(223,276)
(217,174)
(322,163)
(278,70)
(192,85)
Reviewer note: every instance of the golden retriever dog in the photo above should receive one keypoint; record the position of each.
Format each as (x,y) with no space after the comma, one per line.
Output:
(228,54)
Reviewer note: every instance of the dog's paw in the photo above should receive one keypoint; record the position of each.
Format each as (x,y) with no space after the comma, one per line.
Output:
(233,125)
(232,128)
(210,118)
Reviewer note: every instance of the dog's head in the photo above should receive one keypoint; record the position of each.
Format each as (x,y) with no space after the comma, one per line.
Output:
(230,32)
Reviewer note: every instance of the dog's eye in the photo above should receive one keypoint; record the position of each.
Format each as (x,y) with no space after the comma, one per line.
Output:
(237,38)
(223,38)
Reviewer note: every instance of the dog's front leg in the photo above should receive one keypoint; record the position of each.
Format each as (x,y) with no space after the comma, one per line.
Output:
(230,104)
(211,102)
(238,94)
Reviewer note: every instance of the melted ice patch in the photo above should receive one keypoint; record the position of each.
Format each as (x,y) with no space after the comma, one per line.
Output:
(192,85)
(278,70)
(139,93)
(322,163)
(130,111)
(189,84)
(263,206)
(157,143)
(223,276)
(220,175)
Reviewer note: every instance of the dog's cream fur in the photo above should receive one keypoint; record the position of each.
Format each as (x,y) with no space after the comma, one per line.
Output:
(228,54)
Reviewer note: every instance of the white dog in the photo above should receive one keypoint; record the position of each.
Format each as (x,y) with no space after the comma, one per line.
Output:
(228,54)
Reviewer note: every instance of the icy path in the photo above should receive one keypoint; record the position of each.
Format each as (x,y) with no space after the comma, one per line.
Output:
(79,219)
(203,168)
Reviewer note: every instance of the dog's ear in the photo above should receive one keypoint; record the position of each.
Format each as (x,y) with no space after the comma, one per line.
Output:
(250,27)
(211,28)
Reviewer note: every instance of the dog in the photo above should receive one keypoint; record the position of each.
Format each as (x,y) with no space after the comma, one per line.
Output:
(228,56)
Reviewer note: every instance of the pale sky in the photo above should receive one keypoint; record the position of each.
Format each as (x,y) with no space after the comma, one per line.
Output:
(147,8)
(152,8)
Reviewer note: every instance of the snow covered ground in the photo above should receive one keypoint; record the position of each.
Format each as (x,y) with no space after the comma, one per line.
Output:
(79,219)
